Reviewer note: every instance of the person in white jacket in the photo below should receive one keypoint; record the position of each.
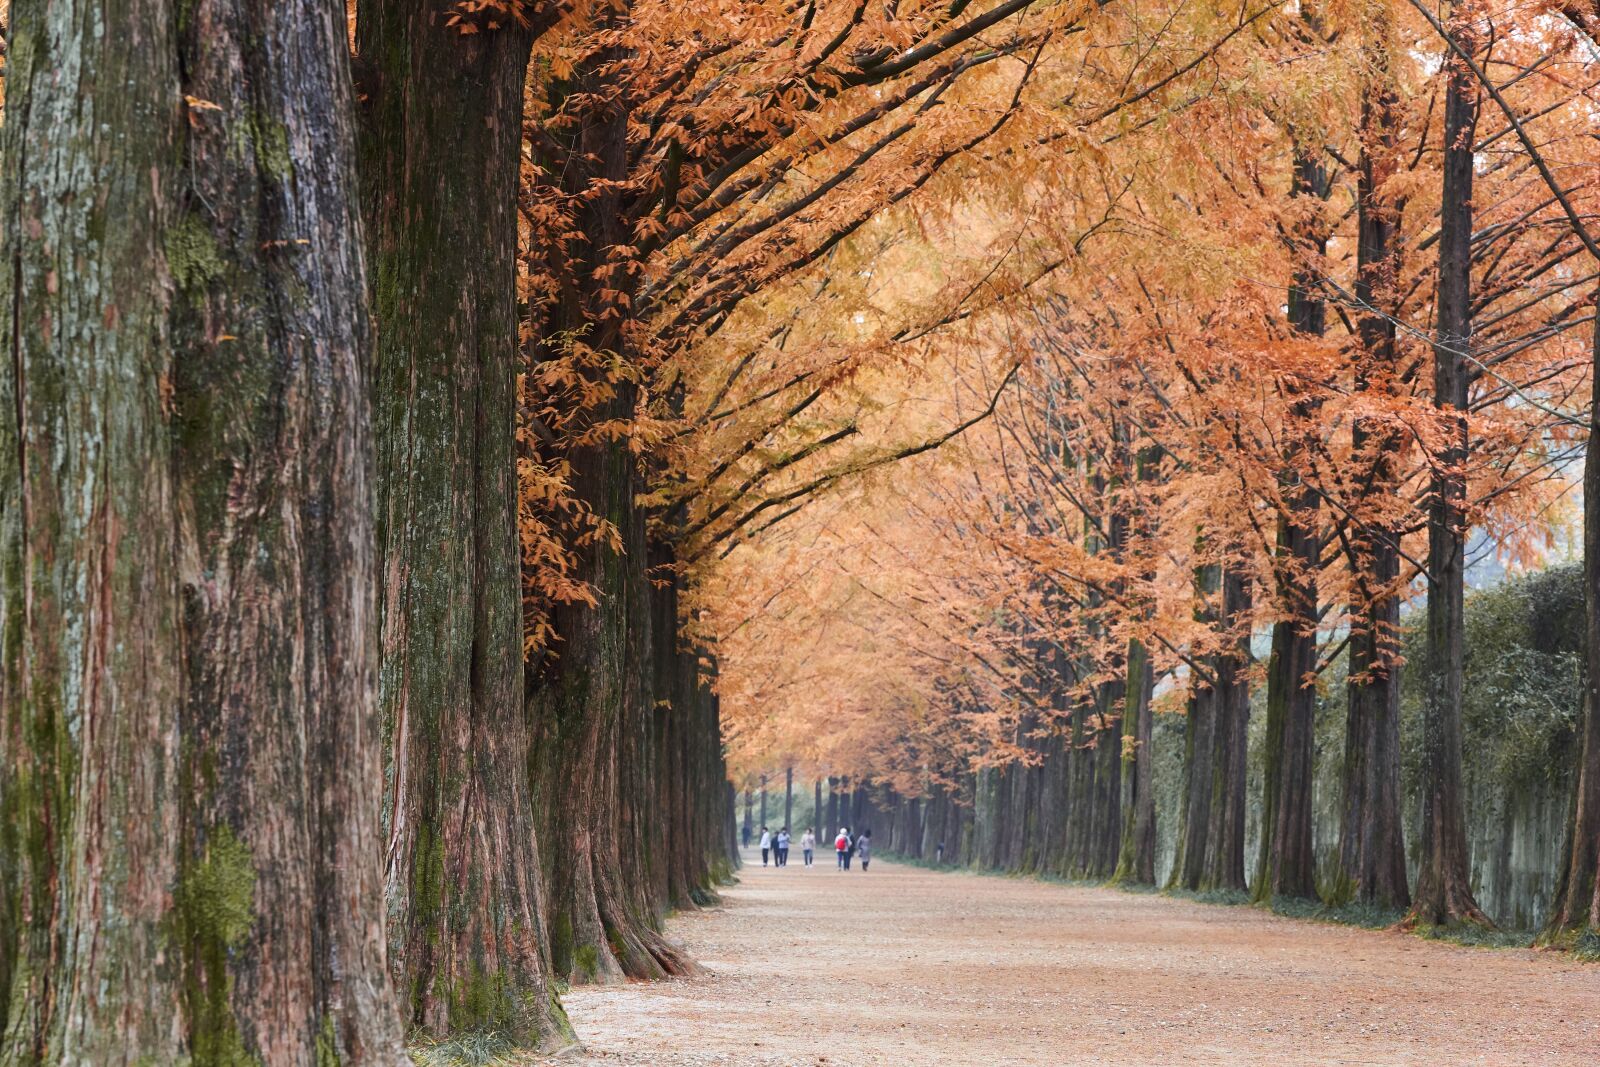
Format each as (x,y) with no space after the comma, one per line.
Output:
(766,845)
(808,845)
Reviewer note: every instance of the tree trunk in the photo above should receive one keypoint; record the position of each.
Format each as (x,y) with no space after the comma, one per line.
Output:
(1137,863)
(816,812)
(1224,867)
(440,149)
(788,797)
(190,733)
(1575,909)
(1444,873)
(1371,849)
(831,829)
(88,796)
(1287,861)
(1200,749)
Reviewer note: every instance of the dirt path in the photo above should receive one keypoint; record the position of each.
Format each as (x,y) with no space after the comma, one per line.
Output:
(910,967)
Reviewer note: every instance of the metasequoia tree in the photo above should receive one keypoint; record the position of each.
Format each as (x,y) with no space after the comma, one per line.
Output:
(1371,865)
(190,734)
(440,129)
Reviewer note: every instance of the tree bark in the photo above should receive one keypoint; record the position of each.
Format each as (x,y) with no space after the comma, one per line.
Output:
(88,792)
(1575,908)
(1444,874)
(1137,863)
(1371,847)
(1224,867)
(1287,863)
(441,139)
(191,753)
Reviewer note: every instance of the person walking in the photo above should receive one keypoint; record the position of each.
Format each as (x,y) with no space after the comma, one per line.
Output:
(864,848)
(783,848)
(841,845)
(766,845)
(808,846)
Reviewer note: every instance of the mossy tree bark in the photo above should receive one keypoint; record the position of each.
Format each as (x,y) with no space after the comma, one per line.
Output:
(188,530)
(593,701)
(88,773)
(441,139)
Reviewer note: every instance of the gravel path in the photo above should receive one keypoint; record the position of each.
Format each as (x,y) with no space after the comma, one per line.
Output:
(905,966)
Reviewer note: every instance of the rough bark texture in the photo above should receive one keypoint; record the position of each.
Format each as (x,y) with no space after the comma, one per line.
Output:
(89,679)
(1444,879)
(440,149)
(191,753)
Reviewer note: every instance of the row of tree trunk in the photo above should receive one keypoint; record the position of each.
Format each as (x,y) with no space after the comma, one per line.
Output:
(276,785)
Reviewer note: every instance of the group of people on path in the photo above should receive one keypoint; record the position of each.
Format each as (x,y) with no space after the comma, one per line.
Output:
(775,847)
(847,848)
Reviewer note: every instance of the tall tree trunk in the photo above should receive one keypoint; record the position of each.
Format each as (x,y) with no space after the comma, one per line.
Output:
(1444,875)
(1372,865)
(1575,908)
(88,790)
(816,812)
(831,828)
(788,797)
(1286,865)
(1224,868)
(1200,748)
(440,149)
(1137,863)
(190,743)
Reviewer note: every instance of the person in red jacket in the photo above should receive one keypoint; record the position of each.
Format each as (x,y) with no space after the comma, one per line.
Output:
(843,846)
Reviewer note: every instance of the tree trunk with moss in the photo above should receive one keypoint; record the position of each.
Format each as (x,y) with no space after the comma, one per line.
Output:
(191,756)
(441,154)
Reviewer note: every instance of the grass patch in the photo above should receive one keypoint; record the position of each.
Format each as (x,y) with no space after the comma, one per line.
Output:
(482,1048)
(1230,898)
(1367,916)
(1476,936)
